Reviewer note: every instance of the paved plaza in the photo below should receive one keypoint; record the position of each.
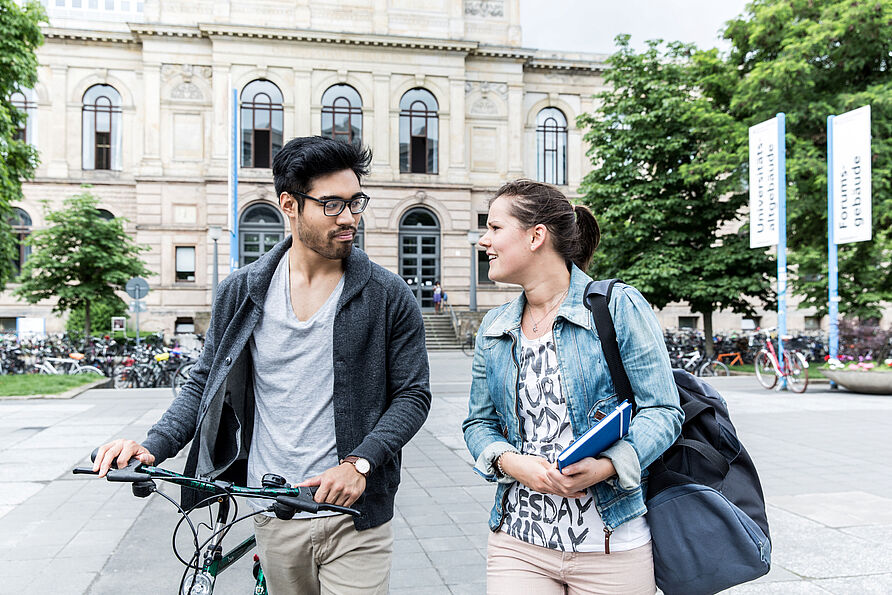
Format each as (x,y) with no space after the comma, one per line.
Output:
(823,458)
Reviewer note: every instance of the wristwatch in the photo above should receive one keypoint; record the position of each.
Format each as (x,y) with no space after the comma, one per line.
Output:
(362,465)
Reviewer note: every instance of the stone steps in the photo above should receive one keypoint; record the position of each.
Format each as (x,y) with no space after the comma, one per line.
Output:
(439,333)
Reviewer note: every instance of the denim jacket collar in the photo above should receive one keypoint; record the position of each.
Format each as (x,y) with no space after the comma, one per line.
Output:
(572,310)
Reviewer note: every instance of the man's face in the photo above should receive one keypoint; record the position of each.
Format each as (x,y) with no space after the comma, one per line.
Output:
(330,237)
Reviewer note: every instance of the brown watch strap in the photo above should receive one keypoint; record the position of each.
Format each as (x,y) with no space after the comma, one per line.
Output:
(352,459)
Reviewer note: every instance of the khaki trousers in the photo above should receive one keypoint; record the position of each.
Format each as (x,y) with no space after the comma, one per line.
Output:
(323,556)
(514,566)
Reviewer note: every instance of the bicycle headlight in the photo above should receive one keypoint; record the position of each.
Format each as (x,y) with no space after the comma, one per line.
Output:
(203,584)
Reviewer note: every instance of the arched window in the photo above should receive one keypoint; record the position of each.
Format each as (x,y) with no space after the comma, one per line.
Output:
(551,146)
(21,227)
(23,100)
(102,128)
(419,132)
(107,215)
(261,115)
(260,229)
(342,114)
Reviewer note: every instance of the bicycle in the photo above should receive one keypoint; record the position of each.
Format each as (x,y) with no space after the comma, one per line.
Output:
(61,365)
(698,365)
(208,559)
(768,369)
(734,357)
(469,344)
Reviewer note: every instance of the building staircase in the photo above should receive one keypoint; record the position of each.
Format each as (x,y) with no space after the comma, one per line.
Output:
(439,334)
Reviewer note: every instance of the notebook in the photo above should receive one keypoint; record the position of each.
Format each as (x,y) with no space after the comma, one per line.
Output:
(599,437)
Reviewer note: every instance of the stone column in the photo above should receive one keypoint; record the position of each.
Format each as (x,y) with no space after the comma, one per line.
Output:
(457,167)
(221,133)
(150,164)
(303,87)
(516,127)
(57,161)
(381,137)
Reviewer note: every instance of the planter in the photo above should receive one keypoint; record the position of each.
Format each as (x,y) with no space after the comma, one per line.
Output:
(857,381)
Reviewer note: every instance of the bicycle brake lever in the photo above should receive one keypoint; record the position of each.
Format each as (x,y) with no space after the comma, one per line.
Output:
(131,473)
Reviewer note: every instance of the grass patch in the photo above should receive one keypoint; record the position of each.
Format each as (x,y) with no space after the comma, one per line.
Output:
(814,371)
(17,385)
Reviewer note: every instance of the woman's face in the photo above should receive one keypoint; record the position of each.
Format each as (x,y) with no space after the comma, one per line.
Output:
(506,243)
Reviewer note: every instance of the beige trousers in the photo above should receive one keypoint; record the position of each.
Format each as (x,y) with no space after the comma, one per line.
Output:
(323,556)
(514,566)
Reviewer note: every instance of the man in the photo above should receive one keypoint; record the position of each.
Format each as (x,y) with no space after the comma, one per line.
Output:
(314,368)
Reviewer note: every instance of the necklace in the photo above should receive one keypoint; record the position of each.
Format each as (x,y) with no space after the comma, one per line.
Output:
(544,316)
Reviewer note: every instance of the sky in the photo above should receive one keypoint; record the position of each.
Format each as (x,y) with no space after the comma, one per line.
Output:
(591,25)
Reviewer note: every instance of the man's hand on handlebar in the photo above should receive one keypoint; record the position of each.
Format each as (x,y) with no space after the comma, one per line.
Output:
(341,485)
(121,450)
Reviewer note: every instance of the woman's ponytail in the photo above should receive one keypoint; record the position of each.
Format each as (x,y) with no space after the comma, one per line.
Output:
(588,236)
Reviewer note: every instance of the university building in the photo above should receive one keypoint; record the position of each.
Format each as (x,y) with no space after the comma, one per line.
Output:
(136,99)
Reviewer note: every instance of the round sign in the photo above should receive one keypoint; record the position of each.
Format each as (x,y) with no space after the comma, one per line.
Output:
(137,288)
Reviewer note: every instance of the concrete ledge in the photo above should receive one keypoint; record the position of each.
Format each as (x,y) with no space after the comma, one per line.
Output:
(69,394)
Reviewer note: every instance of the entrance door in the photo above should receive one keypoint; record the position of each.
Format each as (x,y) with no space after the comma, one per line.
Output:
(260,230)
(420,253)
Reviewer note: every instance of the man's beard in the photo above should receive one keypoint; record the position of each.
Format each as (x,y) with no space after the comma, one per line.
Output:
(323,243)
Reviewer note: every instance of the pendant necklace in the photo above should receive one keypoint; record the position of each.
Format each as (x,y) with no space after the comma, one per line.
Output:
(550,310)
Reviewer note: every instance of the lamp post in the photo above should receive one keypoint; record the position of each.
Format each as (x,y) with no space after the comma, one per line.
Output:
(473,238)
(215,232)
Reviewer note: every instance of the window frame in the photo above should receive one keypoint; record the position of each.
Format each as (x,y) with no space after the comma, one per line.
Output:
(21,224)
(275,109)
(430,114)
(176,266)
(551,163)
(91,111)
(331,109)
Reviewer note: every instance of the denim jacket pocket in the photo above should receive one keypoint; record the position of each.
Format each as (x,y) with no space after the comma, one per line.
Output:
(602,408)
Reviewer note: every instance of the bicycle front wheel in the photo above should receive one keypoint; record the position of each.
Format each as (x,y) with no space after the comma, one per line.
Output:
(467,347)
(765,370)
(713,368)
(795,373)
(180,377)
(89,370)
(125,377)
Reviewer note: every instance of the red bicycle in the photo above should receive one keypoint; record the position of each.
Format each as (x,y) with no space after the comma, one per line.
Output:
(768,369)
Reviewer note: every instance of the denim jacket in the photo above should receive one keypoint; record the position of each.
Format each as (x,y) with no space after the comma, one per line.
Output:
(493,427)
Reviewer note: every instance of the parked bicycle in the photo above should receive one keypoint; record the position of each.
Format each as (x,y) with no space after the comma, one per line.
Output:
(70,365)
(768,368)
(469,344)
(699,365)
(208,559)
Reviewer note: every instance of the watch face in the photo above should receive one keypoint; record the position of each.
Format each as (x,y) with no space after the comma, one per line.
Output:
(363,466)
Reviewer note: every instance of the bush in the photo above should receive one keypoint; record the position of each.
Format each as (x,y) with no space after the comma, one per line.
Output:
(100,317)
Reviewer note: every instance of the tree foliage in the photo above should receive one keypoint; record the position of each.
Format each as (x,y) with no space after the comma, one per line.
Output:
(20,37)
(810,59)
(80,259)
(666,191)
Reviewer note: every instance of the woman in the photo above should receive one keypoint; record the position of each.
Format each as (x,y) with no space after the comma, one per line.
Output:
(539,381)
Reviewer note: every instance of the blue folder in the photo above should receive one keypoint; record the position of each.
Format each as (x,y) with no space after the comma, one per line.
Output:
(599,437)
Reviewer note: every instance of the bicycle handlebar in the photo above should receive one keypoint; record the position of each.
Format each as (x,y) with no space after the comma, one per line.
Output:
(297,498)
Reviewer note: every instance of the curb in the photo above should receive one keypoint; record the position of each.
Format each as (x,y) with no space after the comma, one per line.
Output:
(69,394)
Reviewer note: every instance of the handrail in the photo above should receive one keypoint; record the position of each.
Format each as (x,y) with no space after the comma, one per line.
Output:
(454,318)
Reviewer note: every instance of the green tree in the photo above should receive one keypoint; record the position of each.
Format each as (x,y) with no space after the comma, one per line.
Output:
(81,259)
(810,59)
(20,37)
(668,202)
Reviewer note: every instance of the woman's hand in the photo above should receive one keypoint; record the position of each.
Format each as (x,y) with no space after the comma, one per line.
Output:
(579,476)
(538,474)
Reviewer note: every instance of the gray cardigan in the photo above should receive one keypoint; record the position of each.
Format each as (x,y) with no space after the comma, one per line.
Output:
(381,388)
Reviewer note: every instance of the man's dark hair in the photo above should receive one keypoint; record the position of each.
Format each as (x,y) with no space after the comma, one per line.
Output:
(305,158)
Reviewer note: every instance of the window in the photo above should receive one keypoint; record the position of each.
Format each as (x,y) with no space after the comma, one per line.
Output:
(24,102)
(749,324)
(107,215)
(482,218)
(185,256)
(419,132)
(261,116)
(359,238)
(21,227)
(687,321)
(342,114)
(483,269)
(551,146)
(260,229)
(102,128)
(8,325)
(184,325)
(813,323)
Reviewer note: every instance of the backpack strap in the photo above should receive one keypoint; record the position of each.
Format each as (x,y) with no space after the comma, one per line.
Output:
(596,298)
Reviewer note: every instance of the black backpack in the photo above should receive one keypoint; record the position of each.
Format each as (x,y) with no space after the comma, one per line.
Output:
(705,506)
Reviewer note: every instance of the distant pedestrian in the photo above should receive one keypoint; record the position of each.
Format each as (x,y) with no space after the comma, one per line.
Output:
(438,297)
(539,381)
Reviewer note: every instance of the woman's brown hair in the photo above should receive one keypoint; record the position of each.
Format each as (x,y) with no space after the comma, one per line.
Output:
(574,231)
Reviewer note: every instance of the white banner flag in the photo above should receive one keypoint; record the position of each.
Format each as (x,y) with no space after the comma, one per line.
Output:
(765,173)
(851,176)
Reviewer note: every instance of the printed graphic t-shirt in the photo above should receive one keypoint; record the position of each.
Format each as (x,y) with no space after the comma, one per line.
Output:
(548,520)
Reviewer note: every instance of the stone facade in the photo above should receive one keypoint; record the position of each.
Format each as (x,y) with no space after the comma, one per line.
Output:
(175,65)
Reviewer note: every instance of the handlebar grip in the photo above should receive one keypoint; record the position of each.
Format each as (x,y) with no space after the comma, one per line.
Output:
(299,504)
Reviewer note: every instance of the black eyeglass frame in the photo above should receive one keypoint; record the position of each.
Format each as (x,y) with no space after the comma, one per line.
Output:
(362,198)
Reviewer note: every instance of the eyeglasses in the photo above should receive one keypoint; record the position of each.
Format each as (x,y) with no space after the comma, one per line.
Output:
(333,207)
